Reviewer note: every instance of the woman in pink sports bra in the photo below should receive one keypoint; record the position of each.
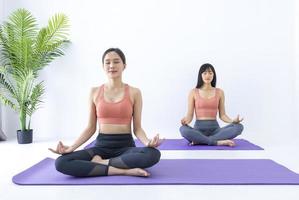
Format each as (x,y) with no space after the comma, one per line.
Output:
(113,106)
(206,100)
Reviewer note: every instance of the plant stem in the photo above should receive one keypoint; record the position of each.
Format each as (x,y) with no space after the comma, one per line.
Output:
(23,119)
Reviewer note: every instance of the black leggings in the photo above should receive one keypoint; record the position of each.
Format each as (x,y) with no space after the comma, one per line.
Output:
(118,148)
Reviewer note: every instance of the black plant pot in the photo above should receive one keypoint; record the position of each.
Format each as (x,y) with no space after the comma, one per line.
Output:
(24,137)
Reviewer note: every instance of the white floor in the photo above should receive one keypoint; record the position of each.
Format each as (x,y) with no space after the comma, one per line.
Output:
(15,158)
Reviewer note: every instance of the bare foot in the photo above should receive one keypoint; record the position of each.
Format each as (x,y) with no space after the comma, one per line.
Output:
(191,144)
(97,159)
(136,172)
(226,143)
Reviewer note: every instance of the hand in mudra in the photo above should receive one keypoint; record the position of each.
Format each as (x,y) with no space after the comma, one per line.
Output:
(155,142)
(237,120)
(185,121)
(62,149)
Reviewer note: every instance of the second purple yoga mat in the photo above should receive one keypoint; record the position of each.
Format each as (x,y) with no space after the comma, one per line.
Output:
(182,144)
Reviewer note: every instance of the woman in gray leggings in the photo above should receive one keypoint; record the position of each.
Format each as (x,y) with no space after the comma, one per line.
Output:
(206,100)
(113,105)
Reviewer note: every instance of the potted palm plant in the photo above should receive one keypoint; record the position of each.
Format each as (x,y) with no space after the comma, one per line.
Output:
(24,51)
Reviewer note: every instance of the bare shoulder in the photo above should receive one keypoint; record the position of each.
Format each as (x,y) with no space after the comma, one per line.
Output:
(135,91)
(221,92)
(93,90)
(94,93)
(192,92)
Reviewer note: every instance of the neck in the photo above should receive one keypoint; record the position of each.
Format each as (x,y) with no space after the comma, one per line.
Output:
(115,83)
(206,86)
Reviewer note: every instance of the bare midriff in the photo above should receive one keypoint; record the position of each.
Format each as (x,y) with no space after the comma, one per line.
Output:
(115,128)
(206,118)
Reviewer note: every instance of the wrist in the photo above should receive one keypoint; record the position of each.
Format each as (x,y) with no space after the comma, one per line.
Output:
(148,143)
(73,147)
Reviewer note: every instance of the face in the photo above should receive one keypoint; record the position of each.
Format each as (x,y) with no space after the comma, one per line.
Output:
(207,76)
(113,65)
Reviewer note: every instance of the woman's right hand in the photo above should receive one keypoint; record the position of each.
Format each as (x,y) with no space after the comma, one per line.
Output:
(185,121)
(237,120)
(62,149)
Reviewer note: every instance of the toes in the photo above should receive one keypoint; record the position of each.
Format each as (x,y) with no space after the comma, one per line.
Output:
(231,143)
(141,172)
(145,173)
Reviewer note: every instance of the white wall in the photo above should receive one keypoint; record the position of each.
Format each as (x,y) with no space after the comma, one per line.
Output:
(296,117)
(250,43)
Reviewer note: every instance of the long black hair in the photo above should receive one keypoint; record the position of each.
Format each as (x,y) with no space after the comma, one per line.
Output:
(202,69)
(116,50)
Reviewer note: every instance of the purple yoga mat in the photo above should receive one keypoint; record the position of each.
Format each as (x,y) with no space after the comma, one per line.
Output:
(182,144)
(174,172)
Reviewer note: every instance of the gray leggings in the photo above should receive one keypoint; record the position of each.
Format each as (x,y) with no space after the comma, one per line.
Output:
(208,132)
(118,148)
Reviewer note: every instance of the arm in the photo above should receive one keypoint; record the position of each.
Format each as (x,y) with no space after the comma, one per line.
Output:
(92,122)
(186,120)
(138,131)
(222,114)
(137,107)
(86,134)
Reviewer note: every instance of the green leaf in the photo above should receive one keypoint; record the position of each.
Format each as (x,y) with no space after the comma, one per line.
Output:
(8,102)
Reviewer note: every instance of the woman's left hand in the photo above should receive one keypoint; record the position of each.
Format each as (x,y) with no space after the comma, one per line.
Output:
(237,120)
(155,142)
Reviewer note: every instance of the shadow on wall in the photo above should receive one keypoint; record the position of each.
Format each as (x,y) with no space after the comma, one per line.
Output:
(9,120)
(2,135)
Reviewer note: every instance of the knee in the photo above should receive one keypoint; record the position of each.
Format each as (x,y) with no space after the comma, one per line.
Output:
(183,130)
(60,164)
(156,155)
(239,128)
(152,158)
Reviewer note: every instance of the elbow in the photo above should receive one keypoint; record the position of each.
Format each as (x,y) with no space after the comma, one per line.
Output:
(190,116)
(136,130)
(221,116)
(91,129)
